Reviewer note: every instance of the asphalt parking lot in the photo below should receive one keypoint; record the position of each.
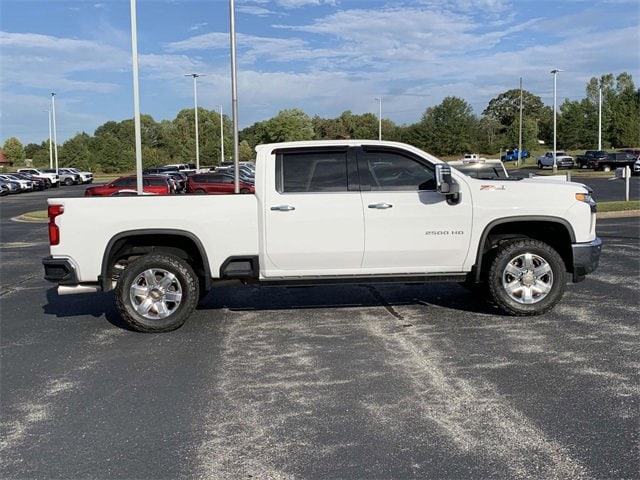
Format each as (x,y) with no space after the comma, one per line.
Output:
(324,382)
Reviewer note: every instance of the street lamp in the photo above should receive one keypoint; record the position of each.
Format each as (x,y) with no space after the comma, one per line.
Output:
(379,118)
(555,75)
(55,138)
(50,142)
(195,109)
(221,135)
(600,117)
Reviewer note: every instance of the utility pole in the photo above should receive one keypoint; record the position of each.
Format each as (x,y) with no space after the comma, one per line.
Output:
(520,132)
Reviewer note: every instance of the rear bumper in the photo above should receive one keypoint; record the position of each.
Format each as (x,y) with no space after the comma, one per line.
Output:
(586,257)
(59,270)
(62,272)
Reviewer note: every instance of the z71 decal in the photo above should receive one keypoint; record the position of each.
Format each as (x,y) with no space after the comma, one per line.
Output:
(492,187)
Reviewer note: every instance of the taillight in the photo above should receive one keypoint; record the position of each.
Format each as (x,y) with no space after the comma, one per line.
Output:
(54,230)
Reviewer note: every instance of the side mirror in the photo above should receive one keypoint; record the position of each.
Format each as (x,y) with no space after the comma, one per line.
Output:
(444,181)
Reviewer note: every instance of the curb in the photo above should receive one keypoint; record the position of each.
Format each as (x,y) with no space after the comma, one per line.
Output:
(621,214)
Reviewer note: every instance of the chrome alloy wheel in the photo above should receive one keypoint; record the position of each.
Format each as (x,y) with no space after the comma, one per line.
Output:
(527,278)
(155,293)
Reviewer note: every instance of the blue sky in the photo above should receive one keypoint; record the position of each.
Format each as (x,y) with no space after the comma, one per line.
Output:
(324,56)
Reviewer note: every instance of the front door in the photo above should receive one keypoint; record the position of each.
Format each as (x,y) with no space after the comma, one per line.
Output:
(410,228)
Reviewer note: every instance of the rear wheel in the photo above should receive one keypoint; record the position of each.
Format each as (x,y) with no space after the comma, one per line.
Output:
(527,277)
(68,182)
(200,191)
(540,165)
(606,168)
(157,293)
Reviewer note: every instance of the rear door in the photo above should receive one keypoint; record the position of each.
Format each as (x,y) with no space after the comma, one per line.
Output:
(312,220)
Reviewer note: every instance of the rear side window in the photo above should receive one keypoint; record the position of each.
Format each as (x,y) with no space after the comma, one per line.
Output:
(312,172)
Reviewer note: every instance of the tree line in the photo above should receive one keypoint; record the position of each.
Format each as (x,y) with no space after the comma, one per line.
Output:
(450,128)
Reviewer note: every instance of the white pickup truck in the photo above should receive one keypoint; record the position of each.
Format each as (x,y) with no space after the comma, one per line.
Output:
(352,211)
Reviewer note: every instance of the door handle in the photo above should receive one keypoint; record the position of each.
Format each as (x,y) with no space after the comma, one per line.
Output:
(283,208)
(380,206)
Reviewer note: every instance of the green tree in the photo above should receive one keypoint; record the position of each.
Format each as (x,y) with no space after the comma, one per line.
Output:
(448,128)
(14,151)
(505,108)
(76,152)
(245,152)
(289,125)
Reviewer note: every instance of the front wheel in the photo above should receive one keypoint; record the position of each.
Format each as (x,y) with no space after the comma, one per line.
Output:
(606,168)
(157,293)
(527,277)
(540,165)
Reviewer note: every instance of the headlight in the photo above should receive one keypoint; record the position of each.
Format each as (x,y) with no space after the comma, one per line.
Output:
(588,199)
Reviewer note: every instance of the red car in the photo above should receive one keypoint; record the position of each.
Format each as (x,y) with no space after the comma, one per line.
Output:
(154,184)
(215,183)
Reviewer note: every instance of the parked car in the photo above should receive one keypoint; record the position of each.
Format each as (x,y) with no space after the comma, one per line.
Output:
(481,168)
(636,167)
(158,184)
(85,177)
(178,179)
(54,178)
(66,178)
(12,187)
(511,155)
(25,185)
(586,160)
(38,183)
(562,160)
(215,183)
(614,160)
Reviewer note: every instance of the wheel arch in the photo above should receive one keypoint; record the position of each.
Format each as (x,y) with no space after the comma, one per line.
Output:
(135,243)
(554,231)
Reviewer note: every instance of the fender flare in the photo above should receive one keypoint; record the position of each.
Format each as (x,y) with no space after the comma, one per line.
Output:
(105,277)
(516,219)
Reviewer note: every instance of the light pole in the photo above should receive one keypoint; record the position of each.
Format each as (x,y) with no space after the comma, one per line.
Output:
(379,118)
(55,138)
(221,135)
(195,109)
(136,97)
(555,72)
(600,118)
(520,128)
(50,142)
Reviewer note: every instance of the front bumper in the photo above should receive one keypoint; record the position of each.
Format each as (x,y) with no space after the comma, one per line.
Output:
(586,257)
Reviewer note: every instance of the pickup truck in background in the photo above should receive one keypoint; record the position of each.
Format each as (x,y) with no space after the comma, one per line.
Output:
(511,155)
(328,212)
(589,157)
(614,160)
(562,160)
(37,172)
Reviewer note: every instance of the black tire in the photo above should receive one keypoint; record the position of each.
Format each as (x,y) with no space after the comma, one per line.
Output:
(68,182)
(540,165)
(167,303)
(606,168)
(527,277)
(245,190)
(200,191)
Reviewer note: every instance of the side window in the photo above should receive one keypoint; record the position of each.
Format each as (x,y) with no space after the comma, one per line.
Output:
(388,170)
(312,172)
(124,182)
